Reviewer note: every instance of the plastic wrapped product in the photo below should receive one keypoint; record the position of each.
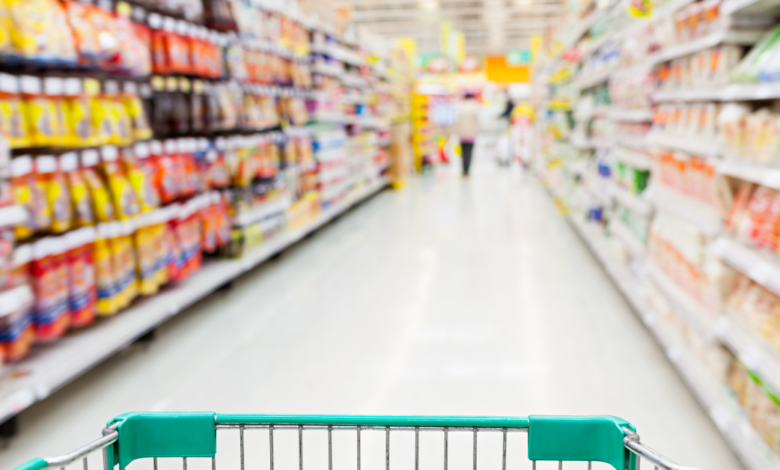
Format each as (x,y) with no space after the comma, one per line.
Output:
(13,124)
(50,283)
(17,333)
(78,115)
(105,275)
(29,191)
(103,206)
(57,193)
(125,199)
(82,288)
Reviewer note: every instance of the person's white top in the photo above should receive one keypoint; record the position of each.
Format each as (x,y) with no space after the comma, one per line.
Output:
(467,122)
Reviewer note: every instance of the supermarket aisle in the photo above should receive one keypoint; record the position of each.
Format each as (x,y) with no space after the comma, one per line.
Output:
(450,297)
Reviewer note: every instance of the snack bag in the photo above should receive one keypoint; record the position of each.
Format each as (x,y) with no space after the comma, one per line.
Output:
(40,30)
(162,255)
(29,191)
(124,265)
(101,107)
(16,325)
(78,114)
(119,120)
(133,55)
(50,283)
(85,35)
(81,276)
(176,263)
(13,124)
(135,111)
(168,172)
(103,206)
(105,276)
(40,112)
(140,172)
(124,197)
(57,196)
(81,200)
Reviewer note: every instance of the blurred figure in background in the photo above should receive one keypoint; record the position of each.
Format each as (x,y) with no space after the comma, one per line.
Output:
(466,127)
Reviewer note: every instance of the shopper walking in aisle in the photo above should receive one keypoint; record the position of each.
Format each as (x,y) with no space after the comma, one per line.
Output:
(466,127)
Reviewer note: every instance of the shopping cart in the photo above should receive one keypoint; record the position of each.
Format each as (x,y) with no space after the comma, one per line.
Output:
(193,437)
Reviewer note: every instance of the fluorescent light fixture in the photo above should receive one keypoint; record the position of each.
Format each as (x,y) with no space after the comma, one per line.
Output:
(523,2)
(429,4)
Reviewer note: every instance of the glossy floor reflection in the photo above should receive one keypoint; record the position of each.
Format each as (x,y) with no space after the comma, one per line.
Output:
(449,297)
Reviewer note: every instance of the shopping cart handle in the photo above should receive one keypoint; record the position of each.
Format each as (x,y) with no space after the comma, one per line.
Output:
(580,439)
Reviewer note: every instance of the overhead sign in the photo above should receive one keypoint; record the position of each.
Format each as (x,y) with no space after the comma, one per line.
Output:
(518,57)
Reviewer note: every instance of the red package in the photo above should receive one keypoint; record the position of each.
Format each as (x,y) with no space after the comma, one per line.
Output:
(50,284)
(82,289)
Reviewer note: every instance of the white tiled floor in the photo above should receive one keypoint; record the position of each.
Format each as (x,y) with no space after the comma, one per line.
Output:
(450,297)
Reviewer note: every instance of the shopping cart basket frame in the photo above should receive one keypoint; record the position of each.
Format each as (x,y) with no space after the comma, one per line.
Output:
(134,436)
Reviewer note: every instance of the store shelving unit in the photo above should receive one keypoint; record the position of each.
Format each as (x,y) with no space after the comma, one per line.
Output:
(50,368)
(721,407)
(693,325)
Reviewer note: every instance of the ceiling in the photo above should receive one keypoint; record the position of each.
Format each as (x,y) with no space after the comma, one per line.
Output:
(490,26)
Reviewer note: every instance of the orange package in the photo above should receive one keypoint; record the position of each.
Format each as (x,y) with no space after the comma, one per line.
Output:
(57,193)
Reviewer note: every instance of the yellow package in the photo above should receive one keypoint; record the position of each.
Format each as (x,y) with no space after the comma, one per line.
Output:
(12,122)
(81,200)
(78,114)
(105,277)
(124,265)
(54,90)
(140,180)
(158,235)
(39,111)
(119,121)
(56,190)
(123,195)
(5,31)
(100,107)
(28,190)
(103,205)
(134,108)
(39,30)
(147,255)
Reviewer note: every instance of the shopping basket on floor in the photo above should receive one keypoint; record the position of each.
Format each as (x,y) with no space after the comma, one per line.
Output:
(187,437)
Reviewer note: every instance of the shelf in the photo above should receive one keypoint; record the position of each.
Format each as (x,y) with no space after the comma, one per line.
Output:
(630,115)
(636,203)
(759,267)
(722,409)
(745,38)
(734,92)
(631,141)
(708,221)
(12,215)
(592,80)
(638,160)
(764,175)
(698,317)
(634,246)
(697,146)
(752,349)
(730,7)
(580,28)
(261,211)
(52,366)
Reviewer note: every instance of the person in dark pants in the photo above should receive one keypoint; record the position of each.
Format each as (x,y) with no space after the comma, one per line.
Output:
(466,127)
